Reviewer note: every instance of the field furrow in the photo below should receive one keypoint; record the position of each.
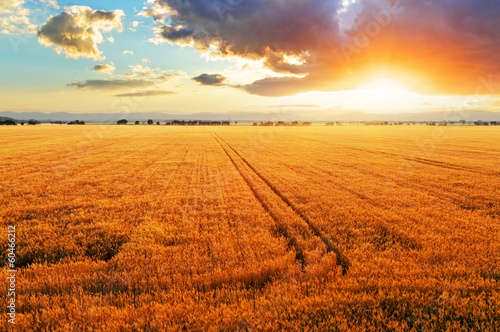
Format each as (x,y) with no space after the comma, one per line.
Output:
(169,228)
(342,260)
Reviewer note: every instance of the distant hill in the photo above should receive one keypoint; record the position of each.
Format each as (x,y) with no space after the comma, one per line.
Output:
(315,116)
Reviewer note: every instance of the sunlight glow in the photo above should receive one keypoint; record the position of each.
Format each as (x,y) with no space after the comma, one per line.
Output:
(384,85)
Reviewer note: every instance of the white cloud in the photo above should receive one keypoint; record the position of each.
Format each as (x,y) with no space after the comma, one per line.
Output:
(8,5)
(51,3)
(128,52)
(134,25)
(78,30)
(14,18)
(156,11)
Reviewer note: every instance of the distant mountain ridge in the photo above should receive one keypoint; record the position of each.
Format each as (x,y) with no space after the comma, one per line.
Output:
(315,116)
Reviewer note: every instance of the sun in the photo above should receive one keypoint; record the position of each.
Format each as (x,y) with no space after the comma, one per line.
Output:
(384,85)
(379,94)
(384,94)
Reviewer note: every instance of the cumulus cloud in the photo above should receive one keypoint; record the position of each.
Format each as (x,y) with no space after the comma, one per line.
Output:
(150,93)
(210,79)
(6,5)
(17,22)
(157,11)
(128,52)
(261,29)
(15,19)
(78,31)
(438,46)
(107,69)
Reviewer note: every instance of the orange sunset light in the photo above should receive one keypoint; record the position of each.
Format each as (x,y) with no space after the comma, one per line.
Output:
(250,165)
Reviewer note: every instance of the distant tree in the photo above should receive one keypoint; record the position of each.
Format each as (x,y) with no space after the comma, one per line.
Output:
(158,123)
(76,122)
(137,122)
(150,122)
(22,123)
(33,122)
(122,122)
(8,122)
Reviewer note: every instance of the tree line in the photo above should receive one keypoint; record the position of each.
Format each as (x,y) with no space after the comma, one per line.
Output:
(282,124)
(179,123)
(12,122)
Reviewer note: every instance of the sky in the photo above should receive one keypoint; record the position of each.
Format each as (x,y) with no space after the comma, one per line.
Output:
(190,56)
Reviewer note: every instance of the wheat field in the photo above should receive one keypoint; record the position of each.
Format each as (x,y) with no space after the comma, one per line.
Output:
(164,228)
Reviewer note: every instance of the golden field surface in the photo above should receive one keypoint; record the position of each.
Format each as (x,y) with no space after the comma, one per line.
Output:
(162,228)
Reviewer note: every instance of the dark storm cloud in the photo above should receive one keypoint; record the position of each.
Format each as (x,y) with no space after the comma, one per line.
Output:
(250,28)
(174,34)
(453,44)
(438,46)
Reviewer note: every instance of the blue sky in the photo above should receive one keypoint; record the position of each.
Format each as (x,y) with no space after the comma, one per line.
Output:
(32,60)
(249,55)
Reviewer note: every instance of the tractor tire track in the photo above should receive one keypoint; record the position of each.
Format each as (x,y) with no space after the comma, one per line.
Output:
(342,260)
(428,162)
(281,229)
